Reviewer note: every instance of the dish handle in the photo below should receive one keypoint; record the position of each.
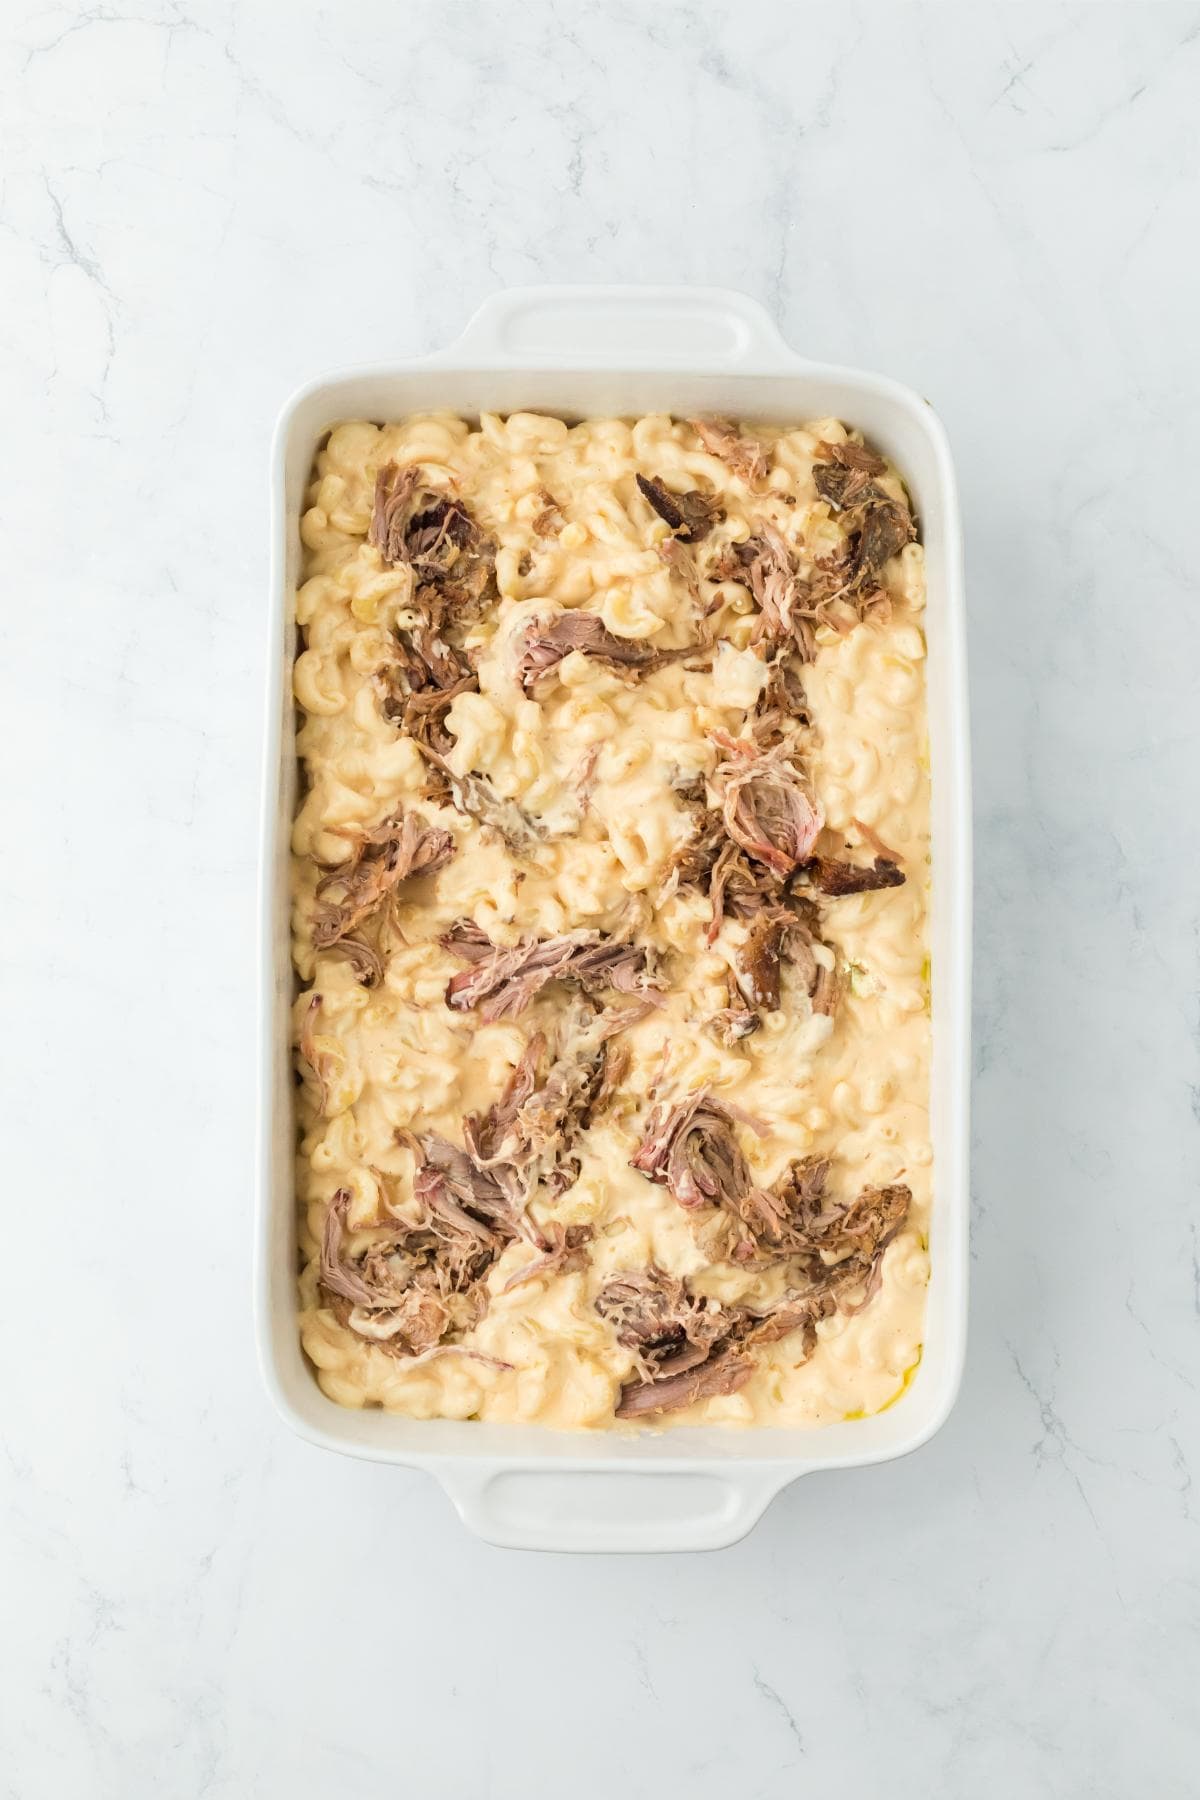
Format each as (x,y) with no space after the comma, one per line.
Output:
(598,327)
(611,1510)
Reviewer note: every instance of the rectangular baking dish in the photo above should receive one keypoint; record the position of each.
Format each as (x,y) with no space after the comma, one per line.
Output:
(586,352)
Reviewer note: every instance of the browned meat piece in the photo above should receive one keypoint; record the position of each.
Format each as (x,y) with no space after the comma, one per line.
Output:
(735,1021)
(402,846)
(844,478)
(878,526)
(760,957)
(745,456)
(460,1195)
(690,515)
(500,983)
(834,878)
(653,1314)
(787,606)
(885,530)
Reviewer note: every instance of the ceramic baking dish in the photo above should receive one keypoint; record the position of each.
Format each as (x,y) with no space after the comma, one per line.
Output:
(587,352)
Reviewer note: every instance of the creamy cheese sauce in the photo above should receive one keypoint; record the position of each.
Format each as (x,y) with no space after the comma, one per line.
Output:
(854,1088)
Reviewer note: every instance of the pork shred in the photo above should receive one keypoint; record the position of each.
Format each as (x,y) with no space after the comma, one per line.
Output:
(545,643)
(691,1150)
(788,608)
(421,682)
(432,533)
(766,805)
(792,603)
(833,878)
(760,959)
(500,983)
(476,798)
(365,961)
(549,522)
(690,515)
(527,1135)
(318,1060)
(782,705)
(841,1245)
(745,456)
(790,932)
(566,1250)
(680,1343)
(686,1348)
(411,1287)
(404,845)
(877,526)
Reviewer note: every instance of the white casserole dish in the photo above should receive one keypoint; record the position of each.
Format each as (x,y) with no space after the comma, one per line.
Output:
(586,352)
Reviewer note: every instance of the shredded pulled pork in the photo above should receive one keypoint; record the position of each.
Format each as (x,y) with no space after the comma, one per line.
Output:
(735,1021)
(679,1342)
(419,685)
(544,644)
(364,959)
(691,515)
(686,1348)
(842,1246)
(527,1135)
(745,456)
(690,1149)
(476,797)
(566,1250)
(410,1287)
(781,707)
(317,1060)
(549,522)
(766,805)
(878,526)
(500,983)
(835,590)
(462,1196)
(402,846)
(452,559)
(845,476)
(787,608)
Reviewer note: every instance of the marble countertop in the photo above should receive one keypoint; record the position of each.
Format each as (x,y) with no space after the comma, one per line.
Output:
(199,210)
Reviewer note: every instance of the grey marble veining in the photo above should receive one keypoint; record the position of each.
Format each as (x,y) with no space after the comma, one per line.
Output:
(201,206)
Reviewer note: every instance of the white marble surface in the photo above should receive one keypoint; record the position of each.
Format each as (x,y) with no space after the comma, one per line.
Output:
(199,209)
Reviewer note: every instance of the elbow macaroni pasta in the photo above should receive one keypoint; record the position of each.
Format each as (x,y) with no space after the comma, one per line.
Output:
(395,1057)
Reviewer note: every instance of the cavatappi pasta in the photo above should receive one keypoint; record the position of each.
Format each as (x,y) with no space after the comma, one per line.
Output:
(552,785)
